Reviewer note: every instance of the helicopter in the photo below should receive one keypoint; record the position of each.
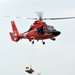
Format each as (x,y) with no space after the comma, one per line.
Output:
(39,30)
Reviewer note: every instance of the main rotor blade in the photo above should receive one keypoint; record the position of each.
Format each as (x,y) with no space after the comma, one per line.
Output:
(18,17)
(59,18)
(32,18)
(14,17)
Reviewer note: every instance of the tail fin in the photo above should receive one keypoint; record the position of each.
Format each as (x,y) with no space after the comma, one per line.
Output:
(15,33)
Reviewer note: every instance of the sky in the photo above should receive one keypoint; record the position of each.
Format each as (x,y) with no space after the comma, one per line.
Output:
(53,58)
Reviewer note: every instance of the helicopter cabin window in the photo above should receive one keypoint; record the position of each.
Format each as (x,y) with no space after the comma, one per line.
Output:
(43,23)
(40,30)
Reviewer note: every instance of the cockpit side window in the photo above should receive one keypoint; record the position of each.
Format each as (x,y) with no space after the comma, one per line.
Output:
(45,29)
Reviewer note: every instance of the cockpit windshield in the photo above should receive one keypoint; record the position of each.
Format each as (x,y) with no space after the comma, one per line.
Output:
(49,29)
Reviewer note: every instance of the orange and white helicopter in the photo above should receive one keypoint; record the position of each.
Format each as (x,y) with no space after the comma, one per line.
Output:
(39,30)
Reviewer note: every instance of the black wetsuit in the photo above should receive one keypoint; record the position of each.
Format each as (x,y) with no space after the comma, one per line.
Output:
(29,71)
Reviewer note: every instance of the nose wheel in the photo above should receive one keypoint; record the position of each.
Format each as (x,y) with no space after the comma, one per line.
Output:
(53,39)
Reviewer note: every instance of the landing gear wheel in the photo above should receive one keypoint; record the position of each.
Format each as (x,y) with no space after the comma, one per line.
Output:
(43,43)
(32,42)
(54,39)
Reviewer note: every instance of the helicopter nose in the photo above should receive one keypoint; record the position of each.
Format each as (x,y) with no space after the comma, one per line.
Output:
(56,33)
